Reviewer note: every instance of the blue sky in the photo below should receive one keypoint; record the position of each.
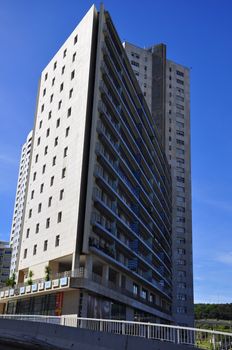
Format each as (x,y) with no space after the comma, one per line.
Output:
(198,35)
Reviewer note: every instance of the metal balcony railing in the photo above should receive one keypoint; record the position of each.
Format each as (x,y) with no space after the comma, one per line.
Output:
(194,337)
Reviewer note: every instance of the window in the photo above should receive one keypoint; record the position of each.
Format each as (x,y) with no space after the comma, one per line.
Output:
(181,273)
(180,209)
(181,251)
(28,232)
(180,142)
(61,87)
(37,228)
(49,201)
(51,98)
(25,254)
(73,74)
(180,219)
(181,285)
(63,69)
(69,112)
(61,194)
(67,131)
(41,188)
(180,262)
(45,245)
(57,241)
(53,81)
(135,289)
(70,93)
(181,74)
(59,217)
(180,81)
(56,141)
(45,150)
(181,310)
(179,132)
(38,141)
(40,124)
(55,65)
(74,56)
(39,207)
(42,108)
(144,293)
(35,249)
(63,173)
(180,229)
(44,92)
(54,161)
(59,104)
(46,76)
(75,39)
(58,122)
(65,53)
(181,296)
(44,168)
(65,152)
(34,176)
(52,181)
(49,114)
(48,223)
(47,132)
(32,194)
(136,64)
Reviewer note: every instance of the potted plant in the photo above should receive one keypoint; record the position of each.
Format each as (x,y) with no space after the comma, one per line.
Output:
(29,276)
(10,282)
(47,271)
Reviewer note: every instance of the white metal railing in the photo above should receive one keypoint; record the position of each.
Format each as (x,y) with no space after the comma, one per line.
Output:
(201,338)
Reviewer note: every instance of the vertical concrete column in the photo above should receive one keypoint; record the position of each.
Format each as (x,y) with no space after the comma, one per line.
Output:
(119,280)
(88,266)
(105,275)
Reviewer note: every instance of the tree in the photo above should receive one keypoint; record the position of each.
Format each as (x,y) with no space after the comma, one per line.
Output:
(10,282)
(30,275)
(47,271)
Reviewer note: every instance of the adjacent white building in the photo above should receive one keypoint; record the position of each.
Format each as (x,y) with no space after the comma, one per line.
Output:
(16,228)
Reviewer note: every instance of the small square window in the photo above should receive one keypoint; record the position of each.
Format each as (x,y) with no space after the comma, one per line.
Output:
(55,65)
(53,81)
(75,39)
(69,112)
(45,245)
(34,176)
(49,114)
(44,168)
(57,241)
(73,74)
(74,56)
(61,87)
(40,124)
(49,201)
(45,150)
(58,122)
(30,213)
(44,92)
(59,104)
(32,194)
(54,161)
(51,98)
(42,108)
(63,69)
(36,158)
(38,141)
(47,132)
(56,141)
(65,53)
(46,76)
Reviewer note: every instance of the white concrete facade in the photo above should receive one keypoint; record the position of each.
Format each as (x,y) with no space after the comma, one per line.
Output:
(15,236)
(51,211)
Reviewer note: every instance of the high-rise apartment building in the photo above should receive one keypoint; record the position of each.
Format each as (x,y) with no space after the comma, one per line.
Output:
(96,233)
(5,257)
(15,236)
(166,87)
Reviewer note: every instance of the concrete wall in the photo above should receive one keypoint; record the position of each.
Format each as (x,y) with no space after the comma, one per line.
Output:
(31,335)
